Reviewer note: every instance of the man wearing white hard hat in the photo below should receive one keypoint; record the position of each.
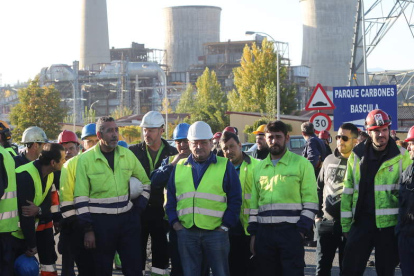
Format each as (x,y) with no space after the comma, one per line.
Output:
(204,201)
(150,153)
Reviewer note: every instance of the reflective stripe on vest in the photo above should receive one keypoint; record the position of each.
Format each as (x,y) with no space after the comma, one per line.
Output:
(40,195)
(246,182)
(9,217)
(205,206)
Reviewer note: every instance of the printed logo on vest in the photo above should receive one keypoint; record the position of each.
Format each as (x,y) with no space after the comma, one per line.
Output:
(391,168)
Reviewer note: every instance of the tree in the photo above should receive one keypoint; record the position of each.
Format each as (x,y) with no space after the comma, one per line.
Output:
(166,106)
(248,129)
(89,116)
(131,134)
(121,112)
(208,105)
(254,80)
(186,103)
(38,106)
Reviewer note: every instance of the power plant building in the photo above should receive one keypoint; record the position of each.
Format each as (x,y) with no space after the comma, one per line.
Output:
(328,29)
(187,28)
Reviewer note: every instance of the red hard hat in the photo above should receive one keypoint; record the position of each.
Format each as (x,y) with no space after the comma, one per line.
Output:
(217,135)
(324,134)
(376,119)
(410,135)
(231,129)
(67,136)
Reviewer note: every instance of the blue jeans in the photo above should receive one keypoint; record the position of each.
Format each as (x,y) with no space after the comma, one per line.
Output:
(197,245)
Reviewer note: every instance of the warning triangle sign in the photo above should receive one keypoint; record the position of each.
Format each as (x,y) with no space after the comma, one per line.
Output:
(319,100)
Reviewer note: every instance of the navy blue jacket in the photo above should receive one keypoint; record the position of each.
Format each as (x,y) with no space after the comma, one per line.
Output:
(231,186)
(314,150)
(406,200)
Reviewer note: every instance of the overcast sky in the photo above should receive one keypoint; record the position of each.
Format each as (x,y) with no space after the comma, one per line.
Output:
(36,34)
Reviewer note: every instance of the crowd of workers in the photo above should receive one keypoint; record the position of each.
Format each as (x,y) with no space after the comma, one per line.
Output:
(205,203)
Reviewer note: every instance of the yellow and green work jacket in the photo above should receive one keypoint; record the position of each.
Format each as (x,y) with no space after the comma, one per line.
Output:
(12,151)
(67,187)
(246,181)
(40,195)
(8,202)
(386,187)
(202,207)
(285,193)
(99,190)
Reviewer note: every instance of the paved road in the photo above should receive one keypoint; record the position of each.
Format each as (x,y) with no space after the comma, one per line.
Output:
(310,259)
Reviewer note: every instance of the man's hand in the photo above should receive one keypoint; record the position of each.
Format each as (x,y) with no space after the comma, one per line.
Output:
(345,235)
(31,210)
(178,157)
(178,226)
(31,252)
(89,241)
(252,239)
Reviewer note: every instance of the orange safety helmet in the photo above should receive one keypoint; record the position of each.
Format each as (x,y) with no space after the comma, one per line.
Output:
(410,135)
(67,136)
(376,119)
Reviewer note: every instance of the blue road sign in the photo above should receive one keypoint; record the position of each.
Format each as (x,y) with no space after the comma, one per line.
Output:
(353,103)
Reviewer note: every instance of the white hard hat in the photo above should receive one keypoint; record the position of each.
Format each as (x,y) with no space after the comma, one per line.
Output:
(152,119)
(34,134)
(199,131)
(135,187)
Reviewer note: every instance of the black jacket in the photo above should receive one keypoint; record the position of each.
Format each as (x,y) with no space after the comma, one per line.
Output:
(330,186)
(260,154)
(155,207)
(369,166)
(406,202)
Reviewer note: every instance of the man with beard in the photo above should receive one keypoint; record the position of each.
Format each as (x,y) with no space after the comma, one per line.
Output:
(283,206)
(150,153)
(204,200)
(240,260)
(369,207)
(405,227)
(330,186)
(262,149)
(105,211)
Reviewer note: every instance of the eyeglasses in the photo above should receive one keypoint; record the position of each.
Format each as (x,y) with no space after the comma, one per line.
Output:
(344,138)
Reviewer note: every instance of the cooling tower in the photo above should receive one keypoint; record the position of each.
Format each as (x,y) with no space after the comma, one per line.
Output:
(328,29)
(94,34)
(186,29)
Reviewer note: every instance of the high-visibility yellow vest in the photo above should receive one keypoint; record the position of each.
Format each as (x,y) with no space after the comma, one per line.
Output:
(386,187)
(9,217)
(39,194)
(11,150)
(203,207)
(246,181)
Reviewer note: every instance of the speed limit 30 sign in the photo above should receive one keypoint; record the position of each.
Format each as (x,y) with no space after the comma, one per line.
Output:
(321,122)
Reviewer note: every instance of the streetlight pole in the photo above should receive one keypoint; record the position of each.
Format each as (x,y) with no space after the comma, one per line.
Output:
(277,69)
(90,107)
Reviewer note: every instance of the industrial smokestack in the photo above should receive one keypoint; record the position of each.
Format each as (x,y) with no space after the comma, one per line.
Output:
(186,29)
(94,34)
(328,29)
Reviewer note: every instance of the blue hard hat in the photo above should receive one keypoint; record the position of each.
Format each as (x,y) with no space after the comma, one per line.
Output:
(26,266)
(181,131)
(122,144)
(88,130)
